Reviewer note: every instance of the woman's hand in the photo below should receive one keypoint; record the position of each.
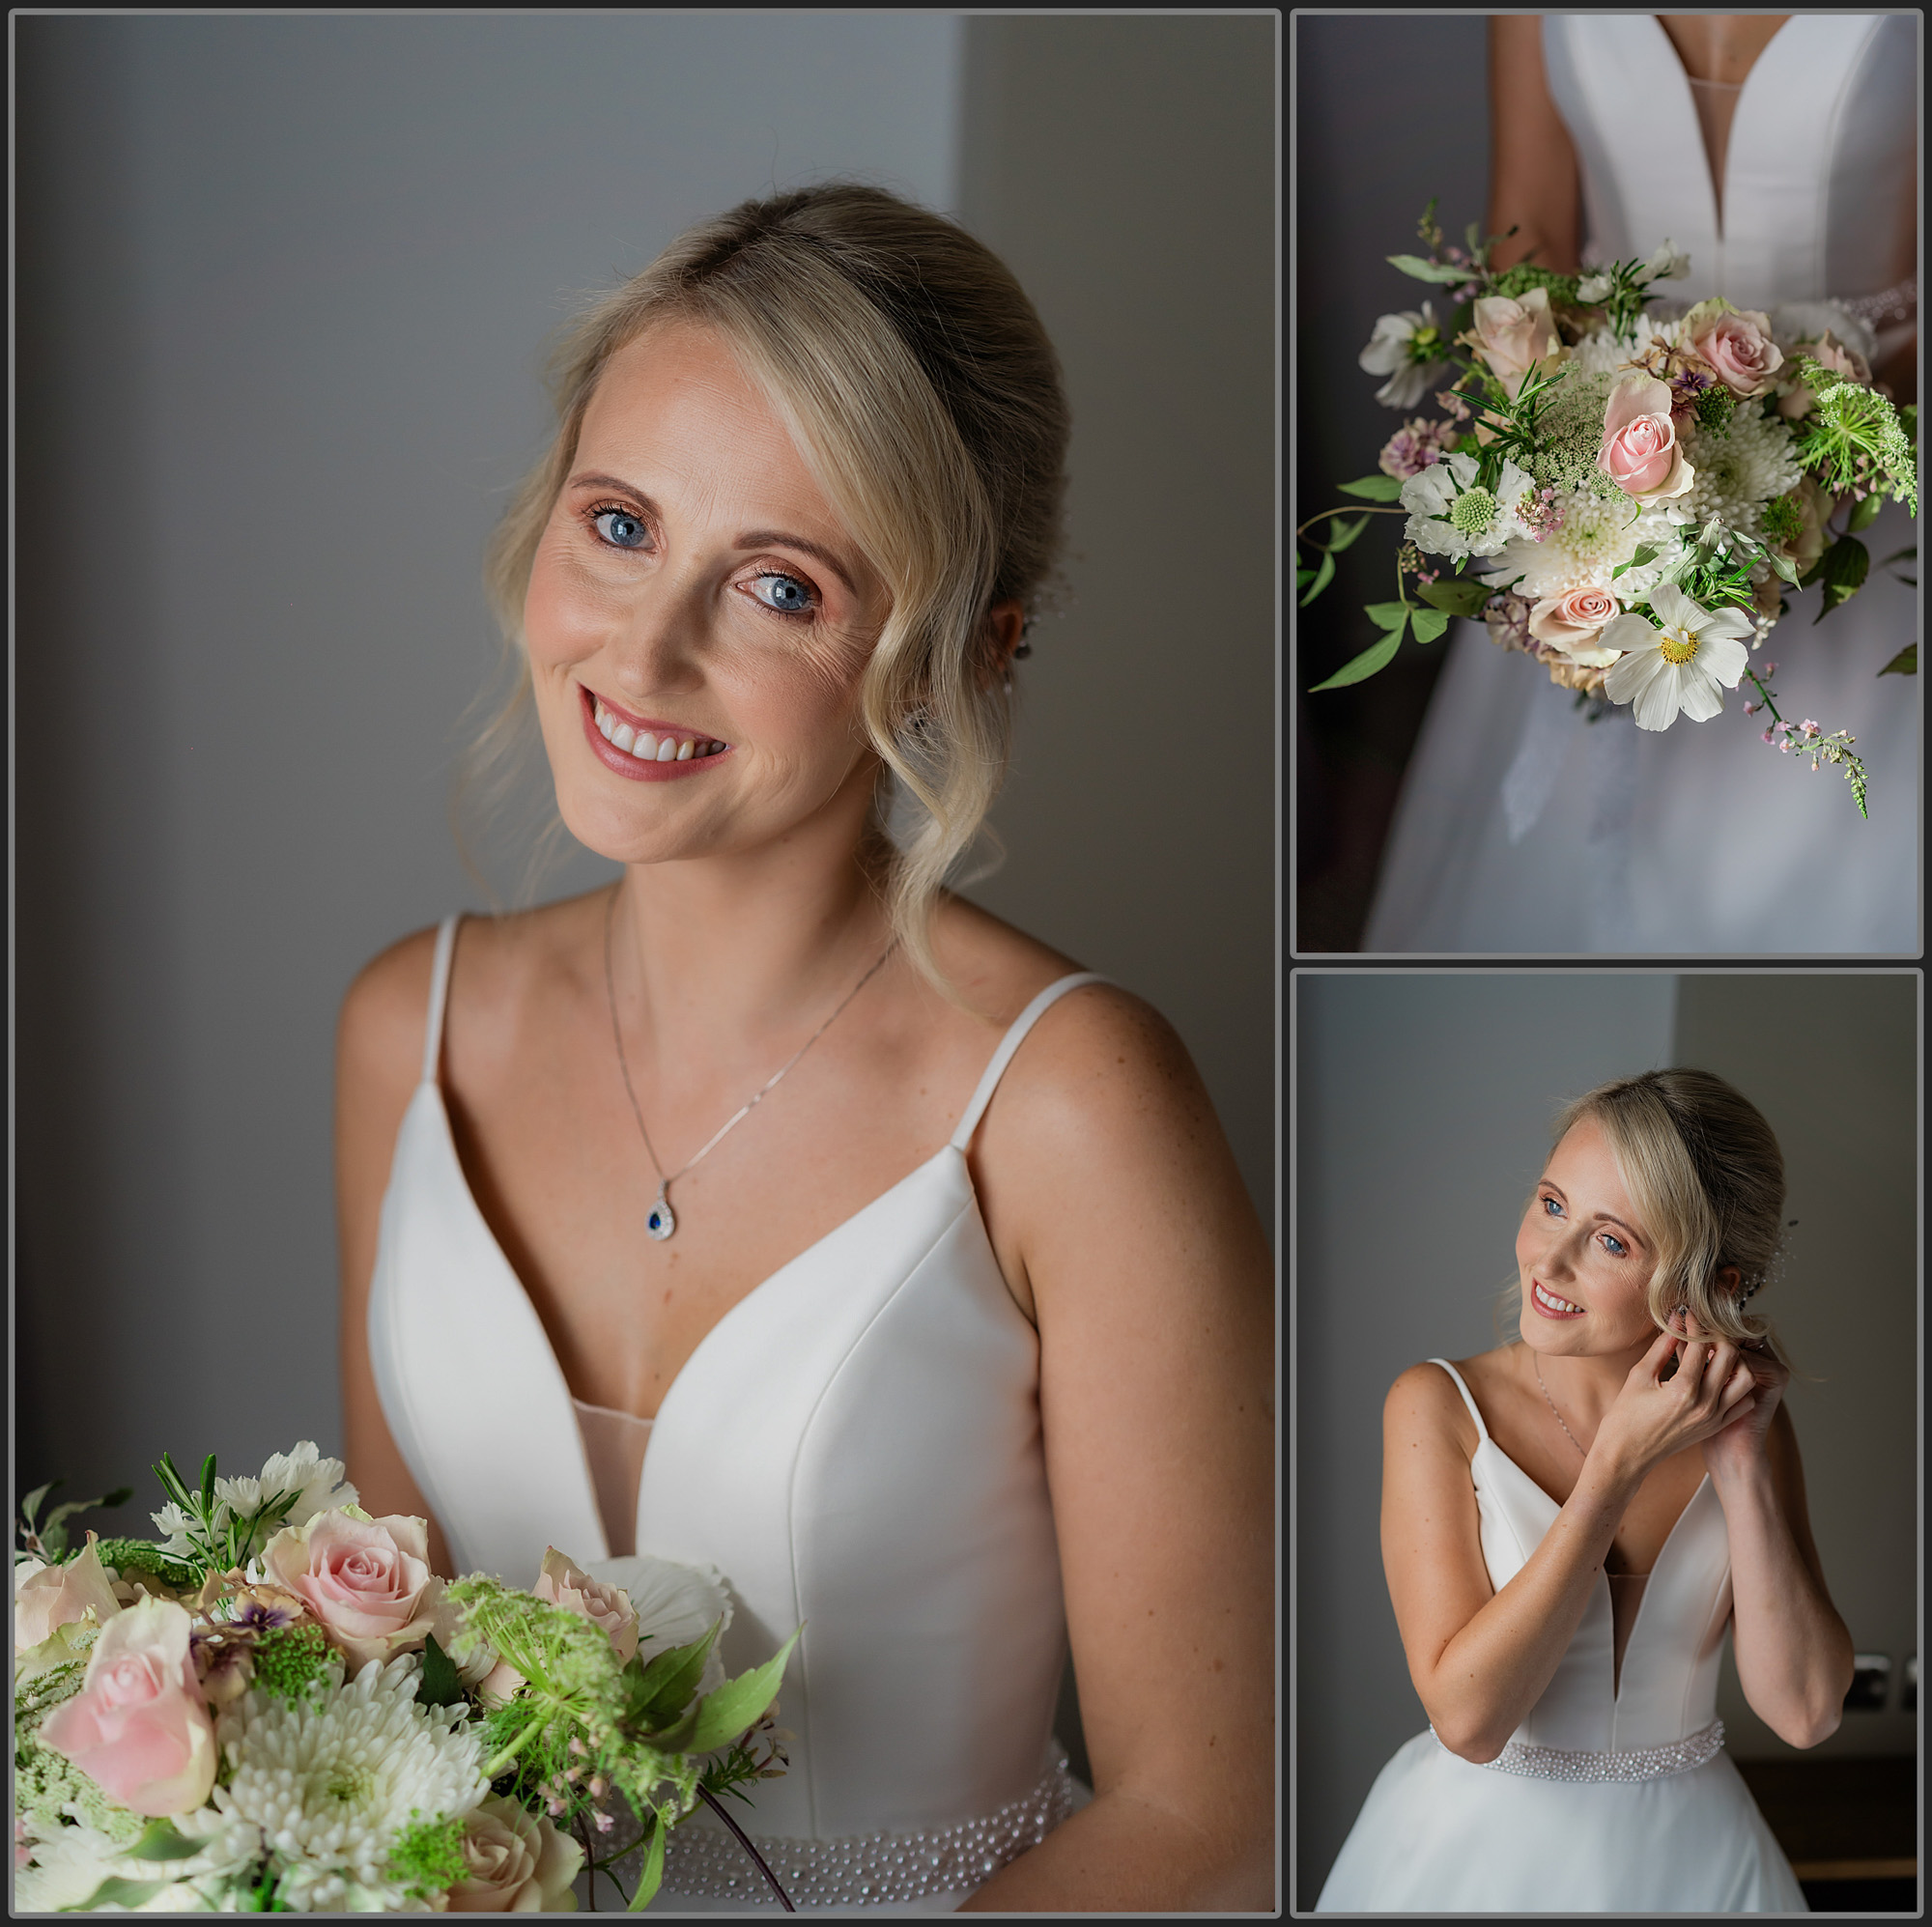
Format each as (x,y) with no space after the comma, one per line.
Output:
(1741,1444)
(1654,1417)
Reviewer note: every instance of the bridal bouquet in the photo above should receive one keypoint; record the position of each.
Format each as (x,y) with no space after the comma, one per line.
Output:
(277,1708)
(1625,498)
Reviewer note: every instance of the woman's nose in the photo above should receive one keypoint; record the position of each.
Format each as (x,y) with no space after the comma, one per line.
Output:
(657,644)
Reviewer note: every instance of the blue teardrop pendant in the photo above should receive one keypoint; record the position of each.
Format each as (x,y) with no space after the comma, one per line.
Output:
(662,1220)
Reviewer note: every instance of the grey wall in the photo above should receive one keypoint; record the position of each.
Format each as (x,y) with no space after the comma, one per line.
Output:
(1125,170)
(284,284)
(1424,1105)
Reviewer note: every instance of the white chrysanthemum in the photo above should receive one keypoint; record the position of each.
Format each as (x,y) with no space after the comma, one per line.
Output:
(1739,469)
(332,1781)
(1449,514)
(319,1482)
(1596,536)
(1603,353)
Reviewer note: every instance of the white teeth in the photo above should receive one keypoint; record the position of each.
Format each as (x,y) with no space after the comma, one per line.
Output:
(623,736)
(668,750)
(1555,1303)
(605,725)
(646,747)
(683,751)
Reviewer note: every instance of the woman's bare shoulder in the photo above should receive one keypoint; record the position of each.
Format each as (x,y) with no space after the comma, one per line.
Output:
(387,1006)
(1424,1403)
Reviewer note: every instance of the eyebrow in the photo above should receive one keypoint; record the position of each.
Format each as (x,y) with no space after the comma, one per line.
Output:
(1602,1217)
(754,538)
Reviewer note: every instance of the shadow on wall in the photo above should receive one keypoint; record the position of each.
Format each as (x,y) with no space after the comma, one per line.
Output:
(1390,112)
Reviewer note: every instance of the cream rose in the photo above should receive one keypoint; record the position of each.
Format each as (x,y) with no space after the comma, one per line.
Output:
(366,1581)
(1513,337)
(46,1597)
(139,1726)
(1641,452)
(566,1584)
(518,1862)
(1572,622)
(1735,345)
(1829,353)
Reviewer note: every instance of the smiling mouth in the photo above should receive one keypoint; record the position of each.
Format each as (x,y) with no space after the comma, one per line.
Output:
(1550,1305)
(645,743)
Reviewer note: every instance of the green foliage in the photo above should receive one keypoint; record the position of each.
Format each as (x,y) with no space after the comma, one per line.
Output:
(1444,273)
(1865,513)
(1429,624)
(441,1683)
(160,1841)
(1516,282)
(1782,518)
(1374,488)
(139,1555)
(291,1660)
(1904,664)
(1459,595)
(1715,407)
(130,1894)
(1377,657)
(426,1857)
(1845,565)
(723,1714)
(48,1538)
(1853,440)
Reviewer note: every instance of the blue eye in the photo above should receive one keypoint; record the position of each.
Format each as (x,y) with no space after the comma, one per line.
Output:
(624,530)
(1616,1246)
(788,595)
(1551,1208)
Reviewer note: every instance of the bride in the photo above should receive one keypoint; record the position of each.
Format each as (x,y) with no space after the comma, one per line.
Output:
(778,1212)
(1779,152)
(1572,1522)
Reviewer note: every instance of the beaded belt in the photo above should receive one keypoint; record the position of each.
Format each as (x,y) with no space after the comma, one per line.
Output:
(868,1869)
(1642,1763)
(1888,307)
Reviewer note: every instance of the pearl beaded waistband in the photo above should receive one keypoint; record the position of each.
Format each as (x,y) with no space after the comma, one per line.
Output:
(1642,1763)
(868,1869)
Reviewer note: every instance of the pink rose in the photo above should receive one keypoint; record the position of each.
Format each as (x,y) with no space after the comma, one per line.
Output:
(138,1726)
(1829,353)
(1572,622)
(1735,345)
(516,1863)
(46,1597)
(1639,452)
(1514,336)
(366,1581)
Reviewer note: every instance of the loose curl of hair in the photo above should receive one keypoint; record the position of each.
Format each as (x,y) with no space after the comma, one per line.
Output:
(919,385)
(1706,1175)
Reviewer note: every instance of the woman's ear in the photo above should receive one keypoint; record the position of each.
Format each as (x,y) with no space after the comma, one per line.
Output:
(1730,1278)
(1006,621)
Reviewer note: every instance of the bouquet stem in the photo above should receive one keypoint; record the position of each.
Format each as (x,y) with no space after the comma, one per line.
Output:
(759,1859)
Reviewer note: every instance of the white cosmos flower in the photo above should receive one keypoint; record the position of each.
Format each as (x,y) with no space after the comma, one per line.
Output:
(675,1606)
(1449,514)
(1393,351)
(1681,667)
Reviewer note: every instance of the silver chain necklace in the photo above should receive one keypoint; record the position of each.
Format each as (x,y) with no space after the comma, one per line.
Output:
(663,1221)
(1551,1404)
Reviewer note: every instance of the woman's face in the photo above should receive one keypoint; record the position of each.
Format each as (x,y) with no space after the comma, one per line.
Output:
(698,621)
(1582,1255)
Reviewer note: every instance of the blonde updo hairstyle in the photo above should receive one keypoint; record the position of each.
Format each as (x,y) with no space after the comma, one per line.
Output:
(1706,1175)
(918,384)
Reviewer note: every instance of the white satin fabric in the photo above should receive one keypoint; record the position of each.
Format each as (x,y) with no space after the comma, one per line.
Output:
(1439,1834)
(855,1446)
(1522,827)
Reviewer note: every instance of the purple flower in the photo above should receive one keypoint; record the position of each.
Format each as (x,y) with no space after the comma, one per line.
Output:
(1414,446)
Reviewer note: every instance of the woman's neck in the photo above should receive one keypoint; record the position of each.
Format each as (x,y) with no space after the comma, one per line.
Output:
(1584,1387)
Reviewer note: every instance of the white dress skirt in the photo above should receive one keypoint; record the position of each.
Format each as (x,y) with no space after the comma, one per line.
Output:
(1616,1794)
(1522,827)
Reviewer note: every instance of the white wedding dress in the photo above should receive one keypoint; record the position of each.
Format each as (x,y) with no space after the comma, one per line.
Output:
(1615,1795)
(1522,827)
(855,1446)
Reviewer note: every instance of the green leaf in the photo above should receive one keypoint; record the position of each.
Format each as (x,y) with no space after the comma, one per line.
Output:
(1430,623)
(1387,614)
(1345,533)
(117,1893)
(737,1703)
(1365,664)
(1866,512)
(1446,272)
(1901,555)
(441,1683)
(1642,553)
(1324,576)
(31,1504)
(1845,563)
(1304,576)
(1373,489)
(1460,595)
(54,1532)
(1782,565)
(208,1484)
(665,1685)
(160,1841)
(1904,664)
(653,1869)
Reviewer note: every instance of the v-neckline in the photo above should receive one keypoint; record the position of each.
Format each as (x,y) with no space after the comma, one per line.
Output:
(555,1365)
(1603,1577)
(1716,179)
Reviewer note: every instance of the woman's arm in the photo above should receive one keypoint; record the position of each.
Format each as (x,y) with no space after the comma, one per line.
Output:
(378,1059)
(1794,1651)
(1102,1166)
(1534,186)
(1481,1660)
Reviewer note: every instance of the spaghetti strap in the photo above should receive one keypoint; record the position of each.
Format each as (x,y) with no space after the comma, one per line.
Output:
(439,994)
(1482,1430)
(1008,1044)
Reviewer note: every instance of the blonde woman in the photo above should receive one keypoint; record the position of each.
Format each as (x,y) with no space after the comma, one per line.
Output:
(1573,1521)
(779,1212)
